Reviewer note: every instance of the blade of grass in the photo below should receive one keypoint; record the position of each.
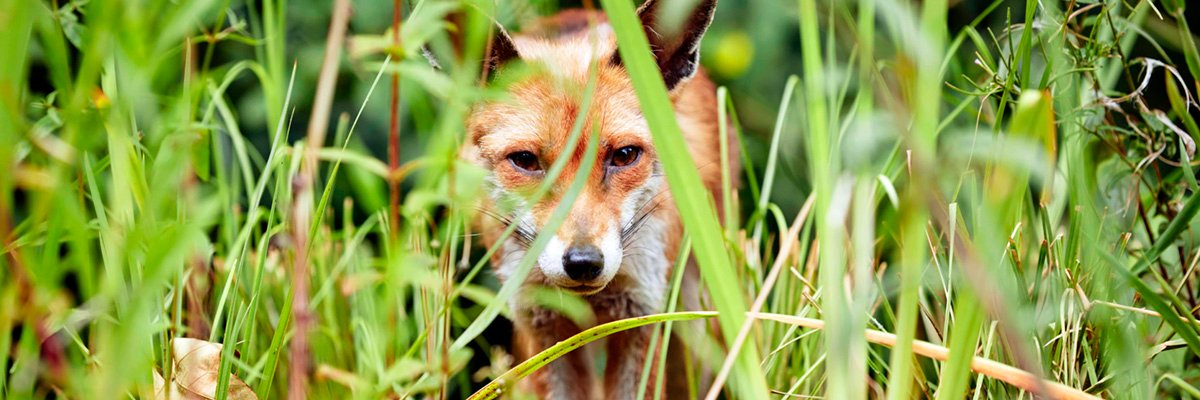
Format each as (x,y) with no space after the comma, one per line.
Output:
(963,337)
(726,175)
(824,164)
(926,49)
(500,385)
(773,156)
(16,26)
(676,283)
(688,192)
(664,336)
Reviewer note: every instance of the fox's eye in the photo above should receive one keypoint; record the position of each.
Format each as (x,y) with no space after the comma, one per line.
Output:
(625,156)
(525,160)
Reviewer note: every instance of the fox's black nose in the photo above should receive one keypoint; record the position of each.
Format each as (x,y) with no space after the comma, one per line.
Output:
(583,262)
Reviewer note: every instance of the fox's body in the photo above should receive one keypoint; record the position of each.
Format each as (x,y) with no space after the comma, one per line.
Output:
(618,243)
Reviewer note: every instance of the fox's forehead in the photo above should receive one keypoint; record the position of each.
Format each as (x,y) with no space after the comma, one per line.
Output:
(541,109)
(569,55)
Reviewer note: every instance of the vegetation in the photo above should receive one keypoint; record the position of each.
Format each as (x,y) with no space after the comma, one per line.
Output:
(991,199)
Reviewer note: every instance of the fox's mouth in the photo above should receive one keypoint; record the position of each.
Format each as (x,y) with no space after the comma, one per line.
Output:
(584,289)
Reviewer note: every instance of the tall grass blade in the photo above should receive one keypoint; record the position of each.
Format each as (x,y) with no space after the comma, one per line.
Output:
(695,208)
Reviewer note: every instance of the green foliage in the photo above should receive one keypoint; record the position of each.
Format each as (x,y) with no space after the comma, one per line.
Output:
(1013,180)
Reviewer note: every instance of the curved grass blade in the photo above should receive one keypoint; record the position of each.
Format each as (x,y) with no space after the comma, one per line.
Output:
(498,386)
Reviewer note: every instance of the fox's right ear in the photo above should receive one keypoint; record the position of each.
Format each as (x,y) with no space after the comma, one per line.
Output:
(676,47)
(501,49)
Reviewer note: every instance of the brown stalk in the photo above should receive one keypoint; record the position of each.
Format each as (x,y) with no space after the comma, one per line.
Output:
(302,204)
(996,370)
(394,129)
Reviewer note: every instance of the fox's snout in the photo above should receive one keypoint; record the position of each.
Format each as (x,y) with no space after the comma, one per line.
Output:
(583,263)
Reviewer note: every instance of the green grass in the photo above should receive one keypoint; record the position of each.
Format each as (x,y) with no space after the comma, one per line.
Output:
(989,178)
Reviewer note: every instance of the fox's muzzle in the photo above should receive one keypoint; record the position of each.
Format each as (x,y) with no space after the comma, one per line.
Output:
(583,262)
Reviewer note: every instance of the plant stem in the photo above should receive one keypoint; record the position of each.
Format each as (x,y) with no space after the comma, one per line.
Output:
(394,129)
(303,201)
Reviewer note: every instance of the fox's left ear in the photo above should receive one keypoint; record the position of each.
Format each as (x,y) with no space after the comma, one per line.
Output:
(501,50)
(676,46)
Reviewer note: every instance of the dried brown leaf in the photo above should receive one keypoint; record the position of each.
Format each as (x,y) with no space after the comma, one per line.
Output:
(197,363)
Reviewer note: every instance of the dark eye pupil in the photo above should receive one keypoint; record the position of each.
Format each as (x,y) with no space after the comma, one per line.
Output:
(625,156)
(525,160)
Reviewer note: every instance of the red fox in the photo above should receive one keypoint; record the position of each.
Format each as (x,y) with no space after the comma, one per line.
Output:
(617,246)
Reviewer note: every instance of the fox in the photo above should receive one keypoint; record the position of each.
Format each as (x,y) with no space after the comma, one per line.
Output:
(617,246)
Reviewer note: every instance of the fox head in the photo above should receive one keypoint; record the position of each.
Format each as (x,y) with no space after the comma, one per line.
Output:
(517,139)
